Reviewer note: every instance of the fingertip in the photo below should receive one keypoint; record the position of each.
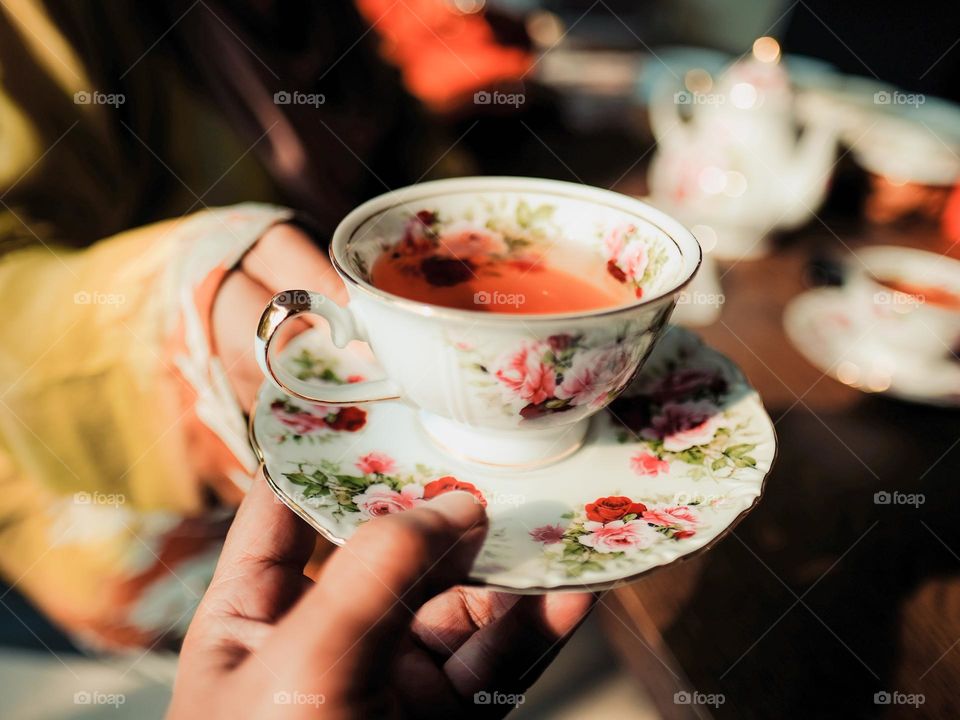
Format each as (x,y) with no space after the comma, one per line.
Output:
(462,510)
(563,612)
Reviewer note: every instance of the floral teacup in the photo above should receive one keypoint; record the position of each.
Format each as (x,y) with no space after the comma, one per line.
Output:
(909,300)
(508,390)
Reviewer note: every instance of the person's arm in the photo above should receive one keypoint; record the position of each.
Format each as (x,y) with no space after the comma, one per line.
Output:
(125,369)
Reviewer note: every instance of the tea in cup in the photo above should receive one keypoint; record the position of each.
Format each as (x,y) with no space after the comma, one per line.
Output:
(909,299)
(508,310)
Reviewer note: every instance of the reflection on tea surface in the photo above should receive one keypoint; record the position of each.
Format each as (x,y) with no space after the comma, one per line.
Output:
(471,269)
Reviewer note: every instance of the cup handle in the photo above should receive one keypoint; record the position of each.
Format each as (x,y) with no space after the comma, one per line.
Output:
(343,329)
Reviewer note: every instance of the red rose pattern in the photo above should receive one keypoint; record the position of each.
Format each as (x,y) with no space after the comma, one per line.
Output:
(349,419)
(448,483)
(608,509)
(619,524)
(303,422)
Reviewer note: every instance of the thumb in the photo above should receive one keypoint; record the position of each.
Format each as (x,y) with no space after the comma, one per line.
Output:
(368,592)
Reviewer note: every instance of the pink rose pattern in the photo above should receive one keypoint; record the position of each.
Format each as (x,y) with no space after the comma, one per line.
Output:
(680,521)
(614,527)
(564,371)
(627,256)
(305,424)
(297,419)
(677,414)
(380,499)
(526,373)
(609,528)
(617,536)
(647,464)
(382,489)
(375,463)
(561,373)
(593,374)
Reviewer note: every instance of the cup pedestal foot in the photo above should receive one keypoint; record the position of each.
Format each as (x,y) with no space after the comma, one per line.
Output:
(504,449)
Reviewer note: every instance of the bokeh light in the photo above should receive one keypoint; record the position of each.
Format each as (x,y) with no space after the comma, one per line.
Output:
(743,95)
(766,49)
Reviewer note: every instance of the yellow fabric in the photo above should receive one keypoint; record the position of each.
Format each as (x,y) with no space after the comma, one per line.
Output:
(101,490)
(99,459)
(117,442)
(87,338)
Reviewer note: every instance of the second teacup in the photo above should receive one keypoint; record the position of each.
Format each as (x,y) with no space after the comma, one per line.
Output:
(504,389)
(909,299)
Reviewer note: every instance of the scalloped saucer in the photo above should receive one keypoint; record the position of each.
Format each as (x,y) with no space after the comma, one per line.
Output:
(664,472)
(824,328)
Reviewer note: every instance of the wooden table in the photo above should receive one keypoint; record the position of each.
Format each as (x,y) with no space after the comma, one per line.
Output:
(820,598)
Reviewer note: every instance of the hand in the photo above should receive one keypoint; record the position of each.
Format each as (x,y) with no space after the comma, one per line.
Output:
(380,634)
(285,258)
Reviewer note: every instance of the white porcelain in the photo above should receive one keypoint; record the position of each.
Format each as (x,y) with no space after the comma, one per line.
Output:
(906,149)
(827,329)
(728,157)
(905,323)
(503,389)
(664,472)
(903,136)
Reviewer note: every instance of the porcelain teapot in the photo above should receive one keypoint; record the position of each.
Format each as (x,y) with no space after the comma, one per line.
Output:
(734,158)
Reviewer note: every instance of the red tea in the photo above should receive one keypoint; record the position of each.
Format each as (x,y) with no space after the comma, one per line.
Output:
(470,269)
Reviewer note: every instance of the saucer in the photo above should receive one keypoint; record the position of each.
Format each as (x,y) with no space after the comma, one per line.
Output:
(822,327)
(668,469)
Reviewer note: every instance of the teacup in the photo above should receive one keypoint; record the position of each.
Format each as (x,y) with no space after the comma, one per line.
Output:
(895,290)
(506,390)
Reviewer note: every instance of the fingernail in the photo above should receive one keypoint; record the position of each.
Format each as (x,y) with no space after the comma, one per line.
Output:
(459,508)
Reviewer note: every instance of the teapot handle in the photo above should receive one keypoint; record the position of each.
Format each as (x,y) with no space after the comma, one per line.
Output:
(665,117)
